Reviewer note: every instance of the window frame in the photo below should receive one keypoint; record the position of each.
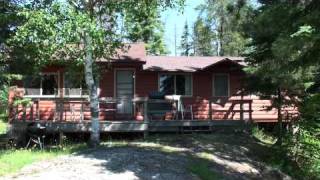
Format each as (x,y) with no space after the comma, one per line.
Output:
(213,87)
(174,82)
(73,96)
(41,89)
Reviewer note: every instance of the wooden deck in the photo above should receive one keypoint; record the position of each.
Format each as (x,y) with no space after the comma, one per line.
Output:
(130,126)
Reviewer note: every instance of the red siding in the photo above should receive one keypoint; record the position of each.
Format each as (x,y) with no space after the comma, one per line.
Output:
(145,82)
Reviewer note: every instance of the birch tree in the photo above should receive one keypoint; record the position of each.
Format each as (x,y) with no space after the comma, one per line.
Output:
(78,32)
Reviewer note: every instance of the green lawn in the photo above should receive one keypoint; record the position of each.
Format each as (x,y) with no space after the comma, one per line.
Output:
(13,160)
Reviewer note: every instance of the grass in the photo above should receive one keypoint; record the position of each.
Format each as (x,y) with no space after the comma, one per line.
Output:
(263,136)
(13,160)
(201,168)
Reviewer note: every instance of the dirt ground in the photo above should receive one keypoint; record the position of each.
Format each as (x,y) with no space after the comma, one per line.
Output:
(229,156)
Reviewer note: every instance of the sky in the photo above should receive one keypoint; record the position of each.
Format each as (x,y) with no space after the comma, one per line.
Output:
(173,18)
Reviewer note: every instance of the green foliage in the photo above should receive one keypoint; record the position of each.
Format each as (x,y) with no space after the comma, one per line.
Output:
(284,48)
(24,102)
(202,39)
(262,136)
(226,19)
(8,16)
(142,23)
(185,45)
(56,33)
(3,96)
(285,55)
(306,144)
(3,124)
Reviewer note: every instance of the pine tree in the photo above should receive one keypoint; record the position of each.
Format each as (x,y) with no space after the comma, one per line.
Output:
(185,46)
(142,23)
(226,19)
(202,39)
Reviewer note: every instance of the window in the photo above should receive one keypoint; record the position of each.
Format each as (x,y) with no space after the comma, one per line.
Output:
(179,84)
(220,85)
(74,84)
(45,84)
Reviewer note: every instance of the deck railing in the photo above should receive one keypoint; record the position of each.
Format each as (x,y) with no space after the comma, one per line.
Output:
(142,108)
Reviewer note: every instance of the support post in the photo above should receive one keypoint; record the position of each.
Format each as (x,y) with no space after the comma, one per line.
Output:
(250,111)
(241,106)
(61,109)
(31,111)
(38,109)
(145,118)
(24,109)
(210,109)
(61,138)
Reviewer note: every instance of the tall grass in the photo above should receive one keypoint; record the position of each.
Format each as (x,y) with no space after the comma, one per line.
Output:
(263,136)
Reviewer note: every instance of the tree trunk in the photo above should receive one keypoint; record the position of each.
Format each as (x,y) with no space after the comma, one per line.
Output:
(279,141)
(92,86)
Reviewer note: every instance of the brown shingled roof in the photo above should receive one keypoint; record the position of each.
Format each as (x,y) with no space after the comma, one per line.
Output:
(136,53)
(186,63)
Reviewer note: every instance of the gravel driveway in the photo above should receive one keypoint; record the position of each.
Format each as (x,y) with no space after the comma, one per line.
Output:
(157,161)
(127,163)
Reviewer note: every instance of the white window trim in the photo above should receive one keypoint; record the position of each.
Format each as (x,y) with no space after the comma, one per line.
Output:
(174,83)
(213,89)
(41,89)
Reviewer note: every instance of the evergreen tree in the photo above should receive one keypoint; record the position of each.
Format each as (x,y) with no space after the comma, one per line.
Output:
(202,39)
(185,41)
(226,19)
(285,61)
(142,23)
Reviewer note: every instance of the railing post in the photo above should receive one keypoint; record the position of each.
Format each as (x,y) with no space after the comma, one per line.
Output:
(61,109)
(241,106)
(38,109)
(210,109)
(145,117)
(250,111)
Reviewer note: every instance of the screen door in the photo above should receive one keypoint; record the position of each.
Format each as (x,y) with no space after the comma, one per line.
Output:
(124,91)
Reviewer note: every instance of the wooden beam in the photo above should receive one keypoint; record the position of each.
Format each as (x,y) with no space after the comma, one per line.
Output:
(145,118)
(210,109)
(241,106)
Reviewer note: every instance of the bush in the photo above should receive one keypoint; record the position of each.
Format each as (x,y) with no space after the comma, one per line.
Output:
(3,99)
(306,142)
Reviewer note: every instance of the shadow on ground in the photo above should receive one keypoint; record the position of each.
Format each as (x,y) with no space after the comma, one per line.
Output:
(205,156)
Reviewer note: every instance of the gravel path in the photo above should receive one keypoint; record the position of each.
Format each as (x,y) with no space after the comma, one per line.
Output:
(127,163)
(231,157)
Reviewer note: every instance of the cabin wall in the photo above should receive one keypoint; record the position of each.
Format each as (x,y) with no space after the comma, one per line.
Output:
(145,82)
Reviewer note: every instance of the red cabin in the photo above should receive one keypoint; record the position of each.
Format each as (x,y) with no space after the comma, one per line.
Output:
(139,92)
